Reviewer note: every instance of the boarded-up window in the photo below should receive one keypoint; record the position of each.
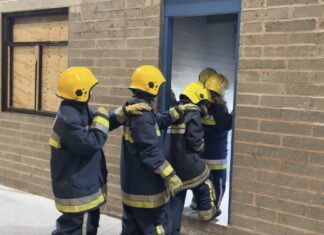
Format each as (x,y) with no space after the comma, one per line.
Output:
(36,49)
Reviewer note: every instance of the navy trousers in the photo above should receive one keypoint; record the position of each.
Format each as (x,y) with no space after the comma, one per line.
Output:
(218,177)
(78,223)
(143,221)
(204,199)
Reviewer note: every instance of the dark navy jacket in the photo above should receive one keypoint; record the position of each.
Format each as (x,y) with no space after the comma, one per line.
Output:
(78,165)
(183,145)
(216,126)
(141,157)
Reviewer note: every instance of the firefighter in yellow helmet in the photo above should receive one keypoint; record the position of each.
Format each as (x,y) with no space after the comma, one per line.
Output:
(147,178)
(205,74)
(216,124)
(78,165)
(183,146)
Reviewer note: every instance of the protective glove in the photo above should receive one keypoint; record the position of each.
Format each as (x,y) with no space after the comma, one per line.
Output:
(167,173)
(178,111)
(174,184)
(136,109)
(102,110)
(131,109)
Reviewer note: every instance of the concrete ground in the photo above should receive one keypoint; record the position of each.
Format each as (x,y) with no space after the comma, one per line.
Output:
(28,214)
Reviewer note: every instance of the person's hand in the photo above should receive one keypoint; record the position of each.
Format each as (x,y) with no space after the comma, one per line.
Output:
(174,184)
(178,111)
(102,110)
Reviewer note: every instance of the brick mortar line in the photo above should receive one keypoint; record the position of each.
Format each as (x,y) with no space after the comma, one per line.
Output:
(280,147)
(277,172)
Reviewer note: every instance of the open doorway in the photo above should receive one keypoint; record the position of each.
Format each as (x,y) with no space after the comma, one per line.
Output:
(196,43)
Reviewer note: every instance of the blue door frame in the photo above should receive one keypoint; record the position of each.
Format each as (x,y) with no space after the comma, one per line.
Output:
(190,8)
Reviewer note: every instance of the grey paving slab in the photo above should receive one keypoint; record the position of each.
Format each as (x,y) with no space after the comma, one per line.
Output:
(28,214)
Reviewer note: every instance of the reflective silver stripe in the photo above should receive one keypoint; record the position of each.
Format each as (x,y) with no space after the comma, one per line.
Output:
(85,223)
(207,212)
(146,198)
(99,126)
(54,141)
(176,131)
(220,197)
(120,115)
(78,201)
(201,147)
(56,136)
(215,162)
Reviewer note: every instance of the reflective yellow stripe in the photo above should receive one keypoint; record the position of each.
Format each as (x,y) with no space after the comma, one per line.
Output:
(197,180)
(158,133)
(217,166)
(81,207)
(53,143)
(210,122)
(160,230)
(145,201)
(167,171)
(212,193)
(101,120)
(128,138)
(128,135)
(207,215)
(164,169)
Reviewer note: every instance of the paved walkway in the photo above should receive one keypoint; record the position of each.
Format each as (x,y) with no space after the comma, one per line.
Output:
(28,214)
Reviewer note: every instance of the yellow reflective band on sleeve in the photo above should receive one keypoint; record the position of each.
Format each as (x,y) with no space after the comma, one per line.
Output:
(164,170)
(167,171)
(160,230)
(53,143)
(217,166)
(101,120)
(209,121)
(81,207)
(158,133)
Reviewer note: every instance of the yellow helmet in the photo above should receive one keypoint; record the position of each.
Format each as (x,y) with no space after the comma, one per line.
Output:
(147,78)
(205,74)
(196,92)
(75,83)
(217,83)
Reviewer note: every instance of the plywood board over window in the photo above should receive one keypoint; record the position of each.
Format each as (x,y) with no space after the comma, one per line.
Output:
(24,70)
(55,61)
(35,45)
(41,29)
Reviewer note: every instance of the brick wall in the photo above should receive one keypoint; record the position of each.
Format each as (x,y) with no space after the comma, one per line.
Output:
(278,174)
(278,184)
(110,37)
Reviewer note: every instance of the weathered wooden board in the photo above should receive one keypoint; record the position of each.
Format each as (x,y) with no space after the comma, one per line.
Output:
(55,61)
(34,29)
(24,70)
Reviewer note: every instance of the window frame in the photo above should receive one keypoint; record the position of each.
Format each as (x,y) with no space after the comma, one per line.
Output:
(7,73)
